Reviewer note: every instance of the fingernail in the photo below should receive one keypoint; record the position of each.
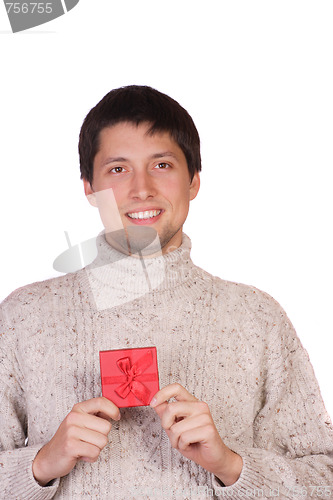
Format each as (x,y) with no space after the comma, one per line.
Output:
(153,402)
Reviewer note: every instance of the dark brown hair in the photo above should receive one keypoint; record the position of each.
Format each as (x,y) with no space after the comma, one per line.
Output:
(137,104)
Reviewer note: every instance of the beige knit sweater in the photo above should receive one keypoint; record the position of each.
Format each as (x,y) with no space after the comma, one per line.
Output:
(229,344)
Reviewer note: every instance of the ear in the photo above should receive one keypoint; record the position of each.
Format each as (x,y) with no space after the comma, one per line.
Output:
(194,186)
(89,192)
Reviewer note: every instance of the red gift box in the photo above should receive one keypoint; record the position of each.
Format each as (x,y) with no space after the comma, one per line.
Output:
(129,376)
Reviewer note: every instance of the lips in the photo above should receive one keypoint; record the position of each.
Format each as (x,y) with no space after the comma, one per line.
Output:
(144,216)
(147,214)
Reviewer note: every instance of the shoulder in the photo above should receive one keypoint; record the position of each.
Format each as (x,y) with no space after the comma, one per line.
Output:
(248,297)
(246,304)
(26,299)
(27,308)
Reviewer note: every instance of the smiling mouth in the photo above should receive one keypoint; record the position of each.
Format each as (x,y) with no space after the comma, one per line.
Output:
(148,214)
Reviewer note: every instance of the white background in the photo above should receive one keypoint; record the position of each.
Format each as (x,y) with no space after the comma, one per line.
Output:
(256,76)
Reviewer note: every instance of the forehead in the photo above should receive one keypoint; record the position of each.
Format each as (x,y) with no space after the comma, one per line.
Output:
(133,137)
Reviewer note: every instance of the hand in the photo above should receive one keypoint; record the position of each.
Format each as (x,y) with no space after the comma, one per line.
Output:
(191,430)
(81,436)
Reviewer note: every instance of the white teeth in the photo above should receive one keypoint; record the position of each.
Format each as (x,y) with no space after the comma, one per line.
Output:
(144,215)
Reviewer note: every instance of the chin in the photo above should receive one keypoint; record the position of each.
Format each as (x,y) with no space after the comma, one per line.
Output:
(170,240)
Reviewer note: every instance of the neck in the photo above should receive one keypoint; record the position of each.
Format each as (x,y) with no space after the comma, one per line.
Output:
(116,278)
(142,241)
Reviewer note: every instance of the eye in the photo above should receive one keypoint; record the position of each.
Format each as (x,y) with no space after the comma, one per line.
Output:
(161,166)
(117,170)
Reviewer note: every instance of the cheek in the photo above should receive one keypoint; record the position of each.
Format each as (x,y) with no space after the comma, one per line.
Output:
(108,208)
(175,187)
(119,192)
(178,194)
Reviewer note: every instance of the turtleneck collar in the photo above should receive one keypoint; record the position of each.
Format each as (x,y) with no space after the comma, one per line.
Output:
(116,278)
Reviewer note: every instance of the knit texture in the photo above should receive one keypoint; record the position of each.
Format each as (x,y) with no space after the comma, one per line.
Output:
(229,344)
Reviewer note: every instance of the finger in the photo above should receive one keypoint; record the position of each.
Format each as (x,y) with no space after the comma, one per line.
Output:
(186,425)
(85,459)
(88,451)
(85,420)
(202,435)
(174,412)
(176,391)
(98,406)
(160,409)
(91,437)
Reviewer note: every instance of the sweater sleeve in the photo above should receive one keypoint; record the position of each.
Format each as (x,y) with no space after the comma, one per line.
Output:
(292,453)
(16,477)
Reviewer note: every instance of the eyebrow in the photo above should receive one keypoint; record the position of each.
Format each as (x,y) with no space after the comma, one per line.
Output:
(155,156)
(113,160)
(163,155)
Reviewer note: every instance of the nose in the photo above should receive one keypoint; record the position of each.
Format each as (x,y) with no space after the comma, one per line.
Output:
(142,186)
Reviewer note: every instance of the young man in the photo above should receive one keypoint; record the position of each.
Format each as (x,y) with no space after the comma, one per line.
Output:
(239,411)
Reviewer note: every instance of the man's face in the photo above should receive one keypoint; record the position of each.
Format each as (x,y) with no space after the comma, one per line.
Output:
(149,178)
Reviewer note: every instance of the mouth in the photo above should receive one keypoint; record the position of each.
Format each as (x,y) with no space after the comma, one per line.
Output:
(146,217)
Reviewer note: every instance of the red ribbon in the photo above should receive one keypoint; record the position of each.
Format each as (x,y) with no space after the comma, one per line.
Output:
(134,378)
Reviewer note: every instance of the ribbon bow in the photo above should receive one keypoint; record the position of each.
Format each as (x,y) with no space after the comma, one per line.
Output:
(134,377)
